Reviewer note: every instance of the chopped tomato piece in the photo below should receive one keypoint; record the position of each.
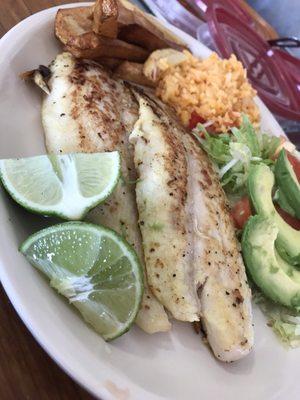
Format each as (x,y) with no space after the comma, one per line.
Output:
(194,120)
(241,212)
(292,221)
(295,164)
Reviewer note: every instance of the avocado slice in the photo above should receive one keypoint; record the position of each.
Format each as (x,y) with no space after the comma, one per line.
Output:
(260,184)
(280,198)
(274,276)
(287,182)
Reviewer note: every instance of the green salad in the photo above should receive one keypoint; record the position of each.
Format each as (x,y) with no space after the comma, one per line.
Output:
(235,152)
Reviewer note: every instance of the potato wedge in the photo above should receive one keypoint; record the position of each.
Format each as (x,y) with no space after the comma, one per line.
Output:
(90,45)
(129,14)
(71,22)
(106,18)
(133,72)
(90,32)
(88,40)
(139,35)
(160,60)
(110,63)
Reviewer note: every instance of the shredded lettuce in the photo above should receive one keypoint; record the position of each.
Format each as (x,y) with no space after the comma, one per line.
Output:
(239,152)
(284,321)
(247,135)
(235,152)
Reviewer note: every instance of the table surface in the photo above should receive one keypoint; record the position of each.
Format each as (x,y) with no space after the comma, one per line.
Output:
(26,371)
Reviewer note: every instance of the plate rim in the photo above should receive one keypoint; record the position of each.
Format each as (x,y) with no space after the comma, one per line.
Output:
(27,319)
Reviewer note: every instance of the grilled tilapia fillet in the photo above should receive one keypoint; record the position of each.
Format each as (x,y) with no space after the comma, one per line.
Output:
(161,193)
(87,111)
(192,257)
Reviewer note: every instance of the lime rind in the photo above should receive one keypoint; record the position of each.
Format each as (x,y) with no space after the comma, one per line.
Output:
(82,289)
(64,178)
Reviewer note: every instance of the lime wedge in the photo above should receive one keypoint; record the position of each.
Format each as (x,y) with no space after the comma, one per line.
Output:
(67,186)
(94,268)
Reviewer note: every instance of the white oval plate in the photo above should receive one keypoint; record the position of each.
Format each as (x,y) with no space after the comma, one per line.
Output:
(136,366)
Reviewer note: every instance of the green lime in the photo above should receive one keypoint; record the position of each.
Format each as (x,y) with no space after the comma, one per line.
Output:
(67,185)
(94,268)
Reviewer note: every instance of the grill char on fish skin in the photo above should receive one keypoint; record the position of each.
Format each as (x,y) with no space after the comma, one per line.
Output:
(195,255)
(87,111)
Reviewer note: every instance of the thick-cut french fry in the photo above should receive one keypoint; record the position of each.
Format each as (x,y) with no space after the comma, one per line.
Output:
(106,18)
(140,36)
(129,14)
(133,72)
(88,40)
(71,22)
(110,63)
(90,32)
(90,45)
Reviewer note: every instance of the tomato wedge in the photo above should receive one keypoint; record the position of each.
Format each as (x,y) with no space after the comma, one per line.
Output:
(241,212)
(295,164)
(292,221)
(194,120)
